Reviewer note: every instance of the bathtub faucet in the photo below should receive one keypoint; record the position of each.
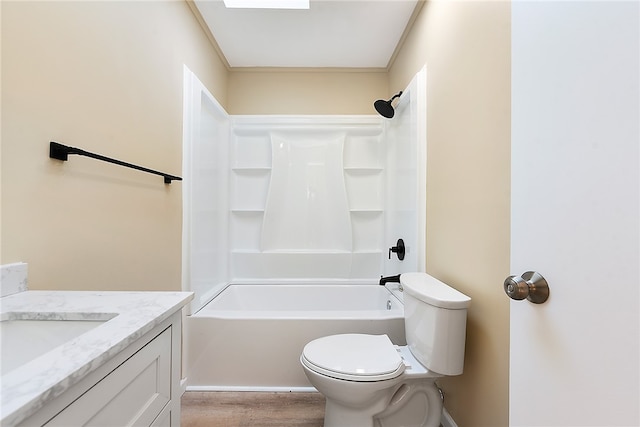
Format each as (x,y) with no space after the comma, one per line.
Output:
(389,279)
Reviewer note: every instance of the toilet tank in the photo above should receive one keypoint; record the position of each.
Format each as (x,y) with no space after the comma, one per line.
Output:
(435,322)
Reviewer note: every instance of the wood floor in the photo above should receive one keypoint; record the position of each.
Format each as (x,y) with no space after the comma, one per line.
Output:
(239,409)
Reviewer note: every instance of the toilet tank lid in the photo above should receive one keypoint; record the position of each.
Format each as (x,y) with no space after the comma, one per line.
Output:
(432,291)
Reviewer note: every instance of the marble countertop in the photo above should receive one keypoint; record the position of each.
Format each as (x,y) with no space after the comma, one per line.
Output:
(27,388)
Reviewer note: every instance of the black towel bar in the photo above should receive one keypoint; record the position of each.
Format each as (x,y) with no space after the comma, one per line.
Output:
(61,152)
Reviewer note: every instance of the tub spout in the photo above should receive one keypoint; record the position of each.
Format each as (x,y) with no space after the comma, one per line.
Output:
(388,279)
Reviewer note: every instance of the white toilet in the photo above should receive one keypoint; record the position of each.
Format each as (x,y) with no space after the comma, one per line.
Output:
(368,381)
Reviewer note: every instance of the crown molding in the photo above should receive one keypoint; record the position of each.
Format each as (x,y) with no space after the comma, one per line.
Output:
(196,13)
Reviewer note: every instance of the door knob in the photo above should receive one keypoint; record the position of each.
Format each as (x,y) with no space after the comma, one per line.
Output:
(531,285)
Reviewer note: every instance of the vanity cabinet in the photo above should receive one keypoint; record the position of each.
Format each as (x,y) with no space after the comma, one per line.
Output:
(140,386)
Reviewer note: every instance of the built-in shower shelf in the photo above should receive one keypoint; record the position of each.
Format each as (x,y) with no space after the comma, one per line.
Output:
(250,169)
(247,211)
(249,187)
(366,211)
(362,170)
(366,252)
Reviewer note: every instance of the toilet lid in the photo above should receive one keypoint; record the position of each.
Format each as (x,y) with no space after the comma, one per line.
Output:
(355,357)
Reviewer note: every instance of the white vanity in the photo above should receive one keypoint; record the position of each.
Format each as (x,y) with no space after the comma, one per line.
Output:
(91,358)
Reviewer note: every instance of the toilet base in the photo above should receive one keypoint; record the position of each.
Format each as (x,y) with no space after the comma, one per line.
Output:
(336,415)
(416,403)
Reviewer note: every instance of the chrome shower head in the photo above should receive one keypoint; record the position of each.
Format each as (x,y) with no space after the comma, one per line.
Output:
(384,108)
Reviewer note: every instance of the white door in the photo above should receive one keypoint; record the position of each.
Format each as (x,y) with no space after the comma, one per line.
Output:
(575,213)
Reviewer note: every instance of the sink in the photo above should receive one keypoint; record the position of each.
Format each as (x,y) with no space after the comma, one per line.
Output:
(23,339)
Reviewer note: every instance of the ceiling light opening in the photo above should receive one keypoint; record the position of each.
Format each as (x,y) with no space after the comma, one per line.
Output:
(267,4)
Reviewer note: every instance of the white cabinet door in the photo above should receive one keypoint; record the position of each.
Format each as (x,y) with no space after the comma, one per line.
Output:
(575,212)
(131,395)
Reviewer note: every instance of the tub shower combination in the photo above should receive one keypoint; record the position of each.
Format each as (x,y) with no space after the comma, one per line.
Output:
(289,221)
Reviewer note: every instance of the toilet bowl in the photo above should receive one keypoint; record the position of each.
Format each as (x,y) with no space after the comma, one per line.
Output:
(370,382)
(374,381)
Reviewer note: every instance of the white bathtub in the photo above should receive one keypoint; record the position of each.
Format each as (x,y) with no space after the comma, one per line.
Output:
(250,337)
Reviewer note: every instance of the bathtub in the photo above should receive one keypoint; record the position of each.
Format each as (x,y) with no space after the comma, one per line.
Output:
(250,336)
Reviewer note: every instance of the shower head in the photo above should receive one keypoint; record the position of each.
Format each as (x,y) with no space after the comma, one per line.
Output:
(384,108)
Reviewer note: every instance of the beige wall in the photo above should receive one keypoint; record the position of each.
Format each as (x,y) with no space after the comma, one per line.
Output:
(105,77)
(313,91)
(466,48)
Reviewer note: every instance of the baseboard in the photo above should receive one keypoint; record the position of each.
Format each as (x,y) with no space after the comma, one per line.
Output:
(447,421)
(253,388)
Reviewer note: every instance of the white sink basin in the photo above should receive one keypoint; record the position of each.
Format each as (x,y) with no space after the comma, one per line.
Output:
(23,340)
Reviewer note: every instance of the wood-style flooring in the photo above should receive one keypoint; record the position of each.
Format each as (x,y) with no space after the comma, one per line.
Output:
(256,409)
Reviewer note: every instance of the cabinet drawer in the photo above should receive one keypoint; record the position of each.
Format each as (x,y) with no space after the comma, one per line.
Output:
(133,394)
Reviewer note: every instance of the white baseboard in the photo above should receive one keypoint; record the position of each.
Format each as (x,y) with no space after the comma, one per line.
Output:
(249,388)
(447,421)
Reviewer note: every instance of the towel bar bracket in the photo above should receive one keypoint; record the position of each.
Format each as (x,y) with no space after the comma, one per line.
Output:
(58,151)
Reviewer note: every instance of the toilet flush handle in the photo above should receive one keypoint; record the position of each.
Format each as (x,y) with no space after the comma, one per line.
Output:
(531,285)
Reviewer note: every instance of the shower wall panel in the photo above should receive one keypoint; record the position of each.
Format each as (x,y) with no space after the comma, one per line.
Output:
(205,193)
(307,197)
(307,209)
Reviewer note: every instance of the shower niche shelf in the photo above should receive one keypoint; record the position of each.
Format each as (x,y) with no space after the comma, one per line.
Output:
(363,170)
(245,228)
(251,169)
(251,151)
(367,228)
(249,187)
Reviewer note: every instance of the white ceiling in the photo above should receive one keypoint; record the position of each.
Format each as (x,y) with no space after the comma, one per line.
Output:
(331,33)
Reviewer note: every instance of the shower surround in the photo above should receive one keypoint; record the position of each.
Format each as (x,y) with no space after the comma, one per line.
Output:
(272,203)
(278,199)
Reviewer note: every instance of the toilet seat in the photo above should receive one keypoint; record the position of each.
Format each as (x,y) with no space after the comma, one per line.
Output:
(354,357)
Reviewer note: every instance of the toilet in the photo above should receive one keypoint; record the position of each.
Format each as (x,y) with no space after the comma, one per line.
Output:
(370,382)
